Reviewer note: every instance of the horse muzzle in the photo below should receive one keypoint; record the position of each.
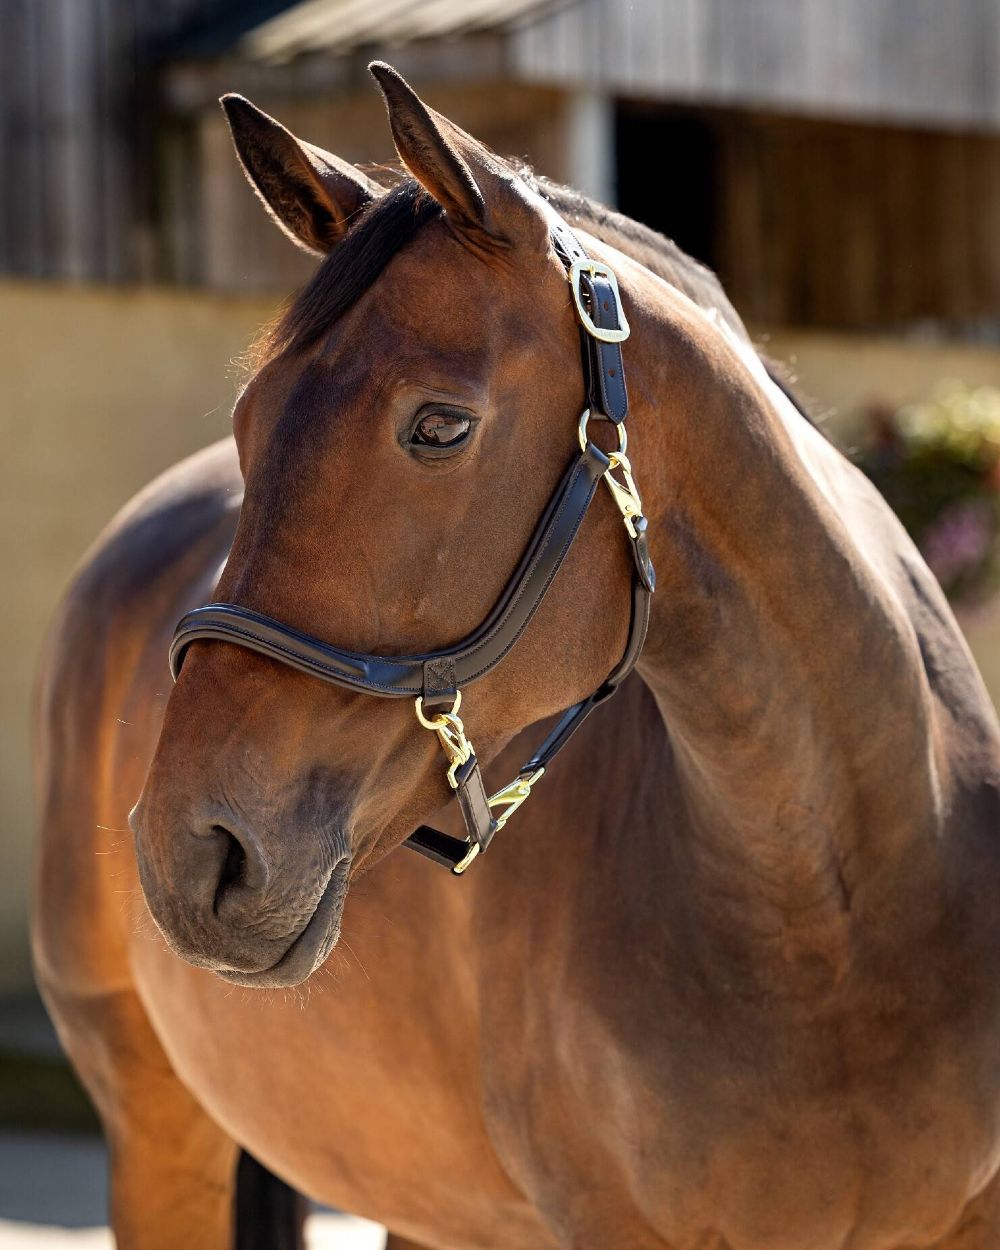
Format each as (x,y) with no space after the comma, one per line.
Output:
(224,902)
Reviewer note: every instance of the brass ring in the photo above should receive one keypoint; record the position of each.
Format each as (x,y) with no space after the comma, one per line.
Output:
(619,426)
(441,718)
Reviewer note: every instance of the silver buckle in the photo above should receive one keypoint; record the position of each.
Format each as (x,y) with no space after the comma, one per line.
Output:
(595,268)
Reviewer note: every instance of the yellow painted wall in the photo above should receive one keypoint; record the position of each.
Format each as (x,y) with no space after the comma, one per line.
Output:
(843,373)
(101,390)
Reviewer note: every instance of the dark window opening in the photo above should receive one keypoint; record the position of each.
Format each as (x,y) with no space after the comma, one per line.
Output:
(667,171)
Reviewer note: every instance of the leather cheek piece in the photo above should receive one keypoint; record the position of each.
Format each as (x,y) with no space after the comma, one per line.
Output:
(603,366)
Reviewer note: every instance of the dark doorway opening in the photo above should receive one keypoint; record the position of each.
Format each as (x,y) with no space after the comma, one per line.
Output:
(667,174)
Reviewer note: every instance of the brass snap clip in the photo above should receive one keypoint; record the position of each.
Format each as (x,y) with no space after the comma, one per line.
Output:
(451,735)
(512,796)
(625,493)
(458,750)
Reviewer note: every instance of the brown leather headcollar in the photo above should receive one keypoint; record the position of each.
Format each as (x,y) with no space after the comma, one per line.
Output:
(437,678)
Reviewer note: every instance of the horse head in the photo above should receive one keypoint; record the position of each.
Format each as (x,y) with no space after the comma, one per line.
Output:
(412,416)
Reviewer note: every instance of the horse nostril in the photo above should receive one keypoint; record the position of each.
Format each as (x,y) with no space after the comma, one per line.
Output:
(242,871)
(234,865)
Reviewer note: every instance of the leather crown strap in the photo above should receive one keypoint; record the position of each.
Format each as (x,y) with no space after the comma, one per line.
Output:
(436,679)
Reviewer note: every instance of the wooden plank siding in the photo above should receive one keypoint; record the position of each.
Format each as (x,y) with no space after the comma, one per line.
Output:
(75,104)
(114,171)
(859,227)
(935,62)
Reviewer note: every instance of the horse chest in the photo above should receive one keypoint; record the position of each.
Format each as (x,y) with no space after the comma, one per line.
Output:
(364,1094)
(766,1135)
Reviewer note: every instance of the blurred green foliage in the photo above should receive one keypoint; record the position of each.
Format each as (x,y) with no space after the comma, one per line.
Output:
(937,463)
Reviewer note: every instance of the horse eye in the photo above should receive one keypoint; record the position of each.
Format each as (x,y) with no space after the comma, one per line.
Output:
(440,429)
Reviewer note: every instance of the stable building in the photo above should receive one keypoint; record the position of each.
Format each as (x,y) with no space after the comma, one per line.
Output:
(837,163)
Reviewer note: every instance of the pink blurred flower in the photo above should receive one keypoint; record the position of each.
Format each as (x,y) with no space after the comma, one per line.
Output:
(959,540)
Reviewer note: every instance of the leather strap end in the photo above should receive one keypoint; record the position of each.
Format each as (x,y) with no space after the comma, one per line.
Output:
(440,847)
(640,553)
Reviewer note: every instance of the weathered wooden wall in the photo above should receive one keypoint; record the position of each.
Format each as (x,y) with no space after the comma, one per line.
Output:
(930,61)
(77,148)
(859,227)
(105,177)
(816,223)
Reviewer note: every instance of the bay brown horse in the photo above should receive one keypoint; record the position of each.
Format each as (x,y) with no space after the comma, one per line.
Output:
(730,980)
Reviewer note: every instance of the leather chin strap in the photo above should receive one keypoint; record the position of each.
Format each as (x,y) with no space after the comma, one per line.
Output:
(437,678)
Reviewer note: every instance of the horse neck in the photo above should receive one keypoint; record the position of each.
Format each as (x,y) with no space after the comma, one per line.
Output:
(787,675)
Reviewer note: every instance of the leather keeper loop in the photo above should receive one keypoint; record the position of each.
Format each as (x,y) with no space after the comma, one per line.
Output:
(472,799)
(440,684)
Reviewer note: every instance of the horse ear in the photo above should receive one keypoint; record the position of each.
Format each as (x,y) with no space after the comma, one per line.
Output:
(311,194)
(482,197)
